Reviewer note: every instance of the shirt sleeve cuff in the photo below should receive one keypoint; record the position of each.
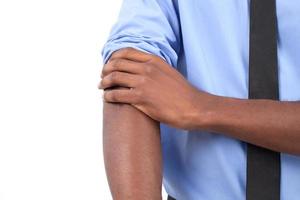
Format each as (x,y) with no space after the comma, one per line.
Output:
(140,43)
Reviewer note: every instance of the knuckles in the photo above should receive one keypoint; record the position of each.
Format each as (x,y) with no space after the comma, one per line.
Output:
(148,69)
(111,65)
(111,96)
(114,96)
(143,80)
(116,62)
(114,76)
(138,96)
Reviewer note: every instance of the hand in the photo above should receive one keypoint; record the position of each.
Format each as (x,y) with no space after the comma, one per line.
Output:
(154,87)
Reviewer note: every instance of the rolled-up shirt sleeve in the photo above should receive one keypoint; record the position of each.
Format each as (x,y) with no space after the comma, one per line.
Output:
(147,25)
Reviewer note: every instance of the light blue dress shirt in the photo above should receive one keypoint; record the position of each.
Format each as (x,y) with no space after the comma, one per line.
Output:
(208,41)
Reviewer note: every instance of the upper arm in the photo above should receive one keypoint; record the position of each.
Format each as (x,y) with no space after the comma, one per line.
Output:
(149,25)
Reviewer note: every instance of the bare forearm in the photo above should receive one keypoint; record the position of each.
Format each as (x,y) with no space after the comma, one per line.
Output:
(132,153)
(271,124)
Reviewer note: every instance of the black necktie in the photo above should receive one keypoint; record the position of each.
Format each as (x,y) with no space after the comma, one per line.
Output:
(263,166)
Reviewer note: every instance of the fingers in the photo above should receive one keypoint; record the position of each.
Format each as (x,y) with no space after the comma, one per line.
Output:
(122,65)
(129,96)
(135,61)
(117,78)
(131,54)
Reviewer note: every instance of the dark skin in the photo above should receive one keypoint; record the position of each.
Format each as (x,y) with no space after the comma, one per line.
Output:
(132,152)
(162,93)
(155,88)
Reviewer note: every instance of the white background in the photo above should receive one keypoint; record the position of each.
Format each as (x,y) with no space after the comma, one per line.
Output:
(50,108)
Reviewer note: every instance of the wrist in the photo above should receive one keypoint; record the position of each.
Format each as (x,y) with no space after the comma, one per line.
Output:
(206,112)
